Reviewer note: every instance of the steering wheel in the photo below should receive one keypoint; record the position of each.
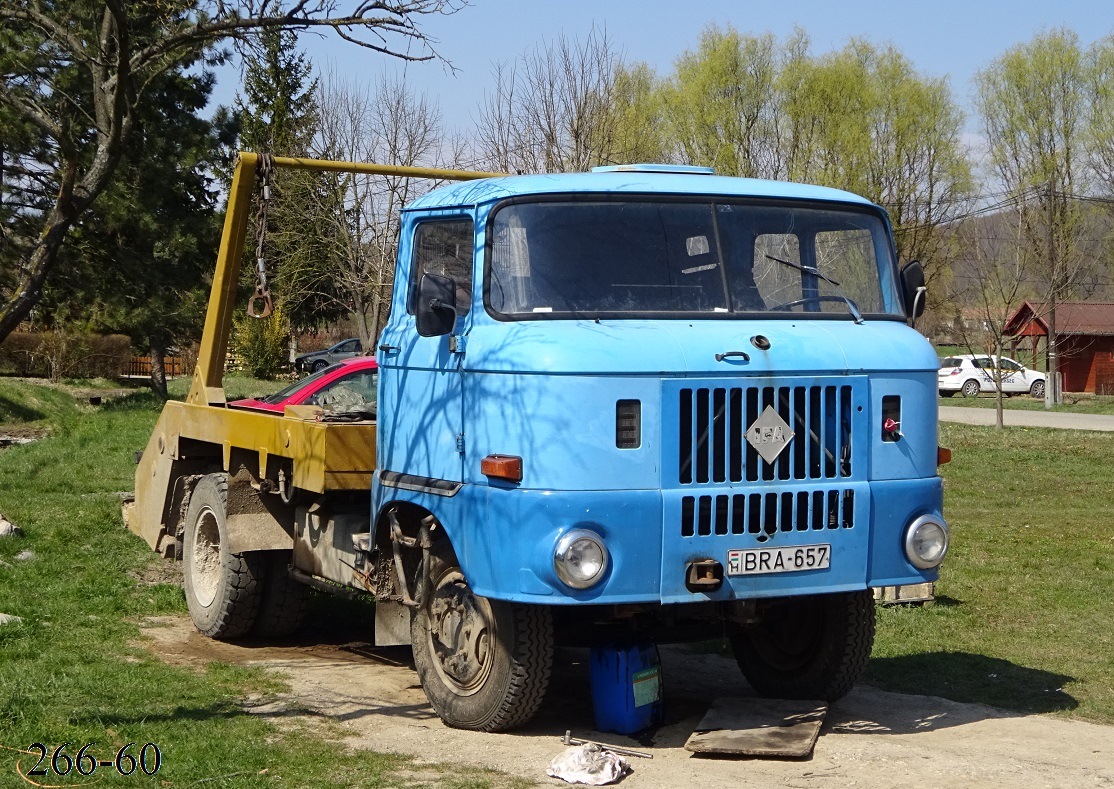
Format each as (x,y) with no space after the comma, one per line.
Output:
(810,300)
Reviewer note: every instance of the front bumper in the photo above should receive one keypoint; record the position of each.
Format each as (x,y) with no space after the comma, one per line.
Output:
(505,539)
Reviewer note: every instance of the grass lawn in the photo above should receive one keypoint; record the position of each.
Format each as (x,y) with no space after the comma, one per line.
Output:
(1024,610)
(1023,618)
(73,669)
(1074,403)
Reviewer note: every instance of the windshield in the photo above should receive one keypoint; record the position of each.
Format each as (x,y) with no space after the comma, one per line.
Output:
(301,383)
(655,258)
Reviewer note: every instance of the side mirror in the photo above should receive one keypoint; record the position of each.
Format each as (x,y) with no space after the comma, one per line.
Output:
(912,286)
(436,308)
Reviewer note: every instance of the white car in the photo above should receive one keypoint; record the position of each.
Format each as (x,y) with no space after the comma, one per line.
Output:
(971,374)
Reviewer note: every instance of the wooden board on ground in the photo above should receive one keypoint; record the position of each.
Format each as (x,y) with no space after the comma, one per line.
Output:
(759,727)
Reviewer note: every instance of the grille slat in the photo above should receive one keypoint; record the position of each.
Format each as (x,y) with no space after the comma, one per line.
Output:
(767,513)
(712,424)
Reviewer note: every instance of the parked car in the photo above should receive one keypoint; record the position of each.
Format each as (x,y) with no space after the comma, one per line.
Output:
(971,374)
(319,360)
(348,387)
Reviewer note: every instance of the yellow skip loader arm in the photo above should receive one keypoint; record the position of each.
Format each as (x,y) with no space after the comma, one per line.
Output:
(260,452)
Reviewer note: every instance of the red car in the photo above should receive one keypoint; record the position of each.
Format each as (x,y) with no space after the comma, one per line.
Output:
(346,389)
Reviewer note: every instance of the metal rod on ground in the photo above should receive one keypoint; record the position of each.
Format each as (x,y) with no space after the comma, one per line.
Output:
(568,739)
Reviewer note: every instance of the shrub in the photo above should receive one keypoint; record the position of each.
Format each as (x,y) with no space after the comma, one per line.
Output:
(65,354)
(260,345)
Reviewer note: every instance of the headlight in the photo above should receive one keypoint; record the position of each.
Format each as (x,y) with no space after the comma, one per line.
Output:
(580,559)
(926,541)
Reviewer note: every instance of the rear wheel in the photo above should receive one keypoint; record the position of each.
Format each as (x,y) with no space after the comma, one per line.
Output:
(1037,389)
(971,388)
(483,664)
(807,647)
(223,589)
(282,608)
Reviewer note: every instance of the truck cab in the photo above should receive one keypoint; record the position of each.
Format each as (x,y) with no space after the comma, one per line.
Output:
(650,400)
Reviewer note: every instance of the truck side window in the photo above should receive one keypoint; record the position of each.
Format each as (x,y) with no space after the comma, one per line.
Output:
(444,247)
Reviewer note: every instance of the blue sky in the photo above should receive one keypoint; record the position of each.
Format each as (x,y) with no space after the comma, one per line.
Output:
(941,37)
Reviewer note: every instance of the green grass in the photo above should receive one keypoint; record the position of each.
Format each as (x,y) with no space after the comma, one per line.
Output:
(236,386)
(33,405)
(1024,604)
(74,669)
(1074,403)
(1023,618)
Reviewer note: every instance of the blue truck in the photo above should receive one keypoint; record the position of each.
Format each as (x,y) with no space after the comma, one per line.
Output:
(645,402)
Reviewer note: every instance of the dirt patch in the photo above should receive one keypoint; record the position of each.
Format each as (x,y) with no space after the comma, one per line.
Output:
(870,739)
(21,434)
(157,572)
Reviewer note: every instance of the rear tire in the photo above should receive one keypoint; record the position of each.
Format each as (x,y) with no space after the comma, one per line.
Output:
(971,388)
(223,590)
(483,664)
(282,608)
(807,647)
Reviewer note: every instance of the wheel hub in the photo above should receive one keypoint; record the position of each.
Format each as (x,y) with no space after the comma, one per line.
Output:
(205,559)
(460,632)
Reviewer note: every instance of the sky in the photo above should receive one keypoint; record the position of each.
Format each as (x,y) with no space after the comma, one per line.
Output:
(942,38)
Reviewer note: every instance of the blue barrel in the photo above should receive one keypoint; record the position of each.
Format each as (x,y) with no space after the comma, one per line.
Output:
(626,687)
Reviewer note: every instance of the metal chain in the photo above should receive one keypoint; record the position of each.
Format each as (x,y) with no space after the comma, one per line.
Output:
(262,292)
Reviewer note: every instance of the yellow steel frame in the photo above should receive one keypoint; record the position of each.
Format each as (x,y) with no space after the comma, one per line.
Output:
(207,379)
(324,456)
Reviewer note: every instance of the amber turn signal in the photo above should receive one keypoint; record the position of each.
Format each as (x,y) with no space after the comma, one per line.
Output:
(943,455)
(506,467)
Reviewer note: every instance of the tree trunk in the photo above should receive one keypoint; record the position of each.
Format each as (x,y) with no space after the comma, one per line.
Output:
(999,375)
(158,369)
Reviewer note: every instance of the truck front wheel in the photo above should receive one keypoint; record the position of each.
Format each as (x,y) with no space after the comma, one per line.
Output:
(223,589)
(483,664)
(807,647)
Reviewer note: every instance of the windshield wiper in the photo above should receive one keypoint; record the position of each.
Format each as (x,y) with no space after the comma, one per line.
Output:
(817,273)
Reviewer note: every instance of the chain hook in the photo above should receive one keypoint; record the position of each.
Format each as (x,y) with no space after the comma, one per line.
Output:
(262,294)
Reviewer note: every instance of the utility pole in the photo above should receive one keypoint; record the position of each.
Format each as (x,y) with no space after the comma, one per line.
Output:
(1052,394)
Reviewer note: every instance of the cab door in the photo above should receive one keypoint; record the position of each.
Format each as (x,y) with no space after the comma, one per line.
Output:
(421,430)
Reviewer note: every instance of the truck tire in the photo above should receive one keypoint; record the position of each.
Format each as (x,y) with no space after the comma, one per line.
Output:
(223,590)
(282,608)
(808,647)
(483,664)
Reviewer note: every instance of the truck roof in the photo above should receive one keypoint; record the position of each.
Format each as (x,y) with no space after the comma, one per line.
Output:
(623,181)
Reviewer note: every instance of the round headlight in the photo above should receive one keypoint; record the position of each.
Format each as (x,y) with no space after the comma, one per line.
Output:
(926,541)
(580,559)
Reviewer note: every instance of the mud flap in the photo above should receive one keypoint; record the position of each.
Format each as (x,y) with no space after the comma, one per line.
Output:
(392,624)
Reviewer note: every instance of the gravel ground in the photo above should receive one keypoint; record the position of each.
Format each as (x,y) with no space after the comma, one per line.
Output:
(870,739)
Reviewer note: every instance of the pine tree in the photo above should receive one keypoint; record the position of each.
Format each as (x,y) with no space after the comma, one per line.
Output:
(278,114)
(140,262)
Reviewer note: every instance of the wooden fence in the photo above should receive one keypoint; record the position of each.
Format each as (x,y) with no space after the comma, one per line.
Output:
(140,366)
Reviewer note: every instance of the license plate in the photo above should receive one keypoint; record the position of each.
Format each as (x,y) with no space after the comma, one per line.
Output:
(797,558)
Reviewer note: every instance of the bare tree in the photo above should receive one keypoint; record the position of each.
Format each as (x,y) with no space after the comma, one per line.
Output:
(76,73)
(995,278)
(387,124)
(552,110)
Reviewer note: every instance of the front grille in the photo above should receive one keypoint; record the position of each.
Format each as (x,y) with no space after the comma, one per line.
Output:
(766,514)
(713,421)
